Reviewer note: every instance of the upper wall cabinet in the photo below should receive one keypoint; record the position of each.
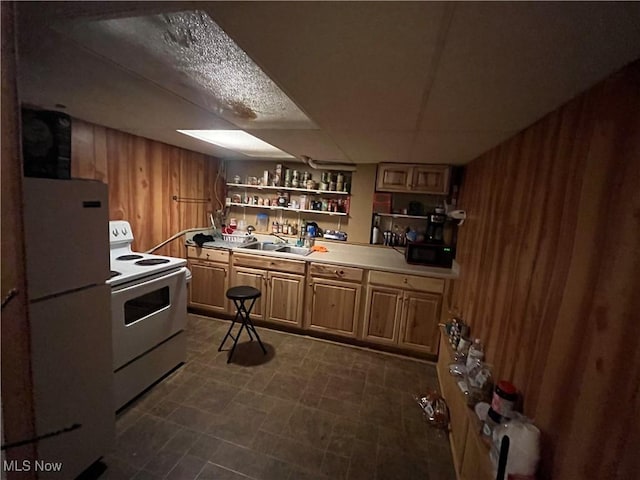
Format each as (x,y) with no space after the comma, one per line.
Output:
(404,177)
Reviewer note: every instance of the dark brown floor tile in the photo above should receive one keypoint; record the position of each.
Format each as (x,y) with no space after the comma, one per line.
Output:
(441,470)
(345,409)
(393,465)
(117,469)
(310,426)
(310,398)
(188,468)
(288,387)
(363,461)
(413,443)
(257,401)
(212,396)
(216,472)
(305,368)
(278,418)
(145,475)
(182,440)
(127,418)
(224,373)
(318,382)
(299,473)
(163,462)
(335,466)
(342,437)
(345,389)
(140,442)
(260,380)
(250,462)
(236,423)
(192,418)
(289,450)
(204,447)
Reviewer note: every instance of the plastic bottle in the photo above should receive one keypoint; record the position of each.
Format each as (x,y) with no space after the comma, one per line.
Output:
(476,352)
(375,237)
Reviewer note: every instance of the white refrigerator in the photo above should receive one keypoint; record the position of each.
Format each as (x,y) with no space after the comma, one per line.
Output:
(67,261)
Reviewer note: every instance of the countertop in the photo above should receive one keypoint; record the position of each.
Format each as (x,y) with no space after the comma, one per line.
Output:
(362,256)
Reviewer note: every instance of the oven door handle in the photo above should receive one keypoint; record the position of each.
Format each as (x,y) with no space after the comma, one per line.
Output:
(159,278)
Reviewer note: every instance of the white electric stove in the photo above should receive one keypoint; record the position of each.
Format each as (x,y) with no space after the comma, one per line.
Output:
(149,314)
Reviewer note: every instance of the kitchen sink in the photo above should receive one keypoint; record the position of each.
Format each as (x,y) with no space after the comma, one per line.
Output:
(266,246)
(277,247)
(292,249)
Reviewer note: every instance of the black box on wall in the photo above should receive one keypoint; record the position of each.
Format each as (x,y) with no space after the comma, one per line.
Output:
(46,144)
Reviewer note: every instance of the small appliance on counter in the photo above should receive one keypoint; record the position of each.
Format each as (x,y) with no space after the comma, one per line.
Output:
(429,254)
(435,227)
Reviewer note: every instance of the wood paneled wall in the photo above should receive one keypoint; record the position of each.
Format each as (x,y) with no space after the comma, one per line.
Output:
(143,177)
(18,422)
(550,258)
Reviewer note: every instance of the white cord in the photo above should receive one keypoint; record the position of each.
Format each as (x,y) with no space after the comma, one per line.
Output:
(171,239)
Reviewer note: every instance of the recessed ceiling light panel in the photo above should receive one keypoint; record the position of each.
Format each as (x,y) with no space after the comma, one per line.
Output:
(238,141)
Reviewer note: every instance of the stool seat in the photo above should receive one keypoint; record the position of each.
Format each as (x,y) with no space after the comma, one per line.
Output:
(243,292)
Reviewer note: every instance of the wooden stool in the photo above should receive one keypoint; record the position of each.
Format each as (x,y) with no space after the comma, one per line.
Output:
(240,295)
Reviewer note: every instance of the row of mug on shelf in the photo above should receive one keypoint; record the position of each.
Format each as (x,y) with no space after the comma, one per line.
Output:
(282,200)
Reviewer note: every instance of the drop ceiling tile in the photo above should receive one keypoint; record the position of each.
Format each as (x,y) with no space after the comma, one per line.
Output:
(349,65)
(506,64)
(315,144)
(454,148)
(374,146)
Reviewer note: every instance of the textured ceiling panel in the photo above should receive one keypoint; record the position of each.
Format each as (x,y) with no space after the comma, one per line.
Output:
(189,54)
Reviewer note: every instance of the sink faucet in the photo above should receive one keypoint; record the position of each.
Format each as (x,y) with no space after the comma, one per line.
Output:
(284,240)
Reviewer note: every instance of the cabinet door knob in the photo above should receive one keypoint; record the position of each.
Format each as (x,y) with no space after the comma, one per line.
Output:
(405,280)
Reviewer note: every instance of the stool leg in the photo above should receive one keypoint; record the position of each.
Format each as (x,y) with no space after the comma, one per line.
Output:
(241,312)
(230,328)
(251,327)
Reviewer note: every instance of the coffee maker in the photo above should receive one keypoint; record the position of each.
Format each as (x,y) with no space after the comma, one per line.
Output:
(435,228)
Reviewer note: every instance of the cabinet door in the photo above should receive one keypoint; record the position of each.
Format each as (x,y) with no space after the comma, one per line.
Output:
(286,295)
(393,178)
(333,306)
(252,277)
(382,315)
(420,317)
(430,179)
(209,285)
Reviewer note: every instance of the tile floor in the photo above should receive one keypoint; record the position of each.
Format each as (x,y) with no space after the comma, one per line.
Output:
(309,409)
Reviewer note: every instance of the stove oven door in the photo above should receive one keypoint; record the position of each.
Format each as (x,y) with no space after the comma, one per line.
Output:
(146,313)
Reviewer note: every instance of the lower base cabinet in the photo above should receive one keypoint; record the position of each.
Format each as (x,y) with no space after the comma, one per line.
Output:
(282,296)
(403,310)
(333,299)
(210,279)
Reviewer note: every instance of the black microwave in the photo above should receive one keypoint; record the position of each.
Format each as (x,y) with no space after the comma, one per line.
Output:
(46,143)
(429,254)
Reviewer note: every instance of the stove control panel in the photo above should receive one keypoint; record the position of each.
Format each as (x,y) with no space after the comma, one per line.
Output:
(120,232)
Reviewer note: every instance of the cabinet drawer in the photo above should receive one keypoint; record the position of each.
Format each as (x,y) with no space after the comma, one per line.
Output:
(338,272)
(268,263)
(407,282)
(211,254)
